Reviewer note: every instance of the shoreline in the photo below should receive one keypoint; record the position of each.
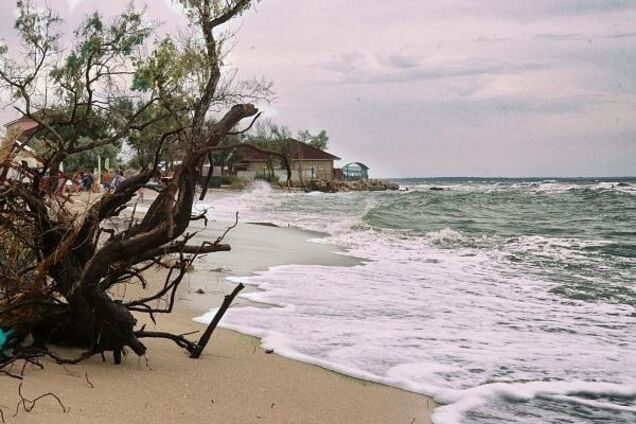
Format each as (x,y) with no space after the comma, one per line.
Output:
(286,390)
(323,254)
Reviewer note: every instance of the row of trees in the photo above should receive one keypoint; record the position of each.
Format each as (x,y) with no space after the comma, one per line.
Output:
(104,93)
(142,146)
(266,134)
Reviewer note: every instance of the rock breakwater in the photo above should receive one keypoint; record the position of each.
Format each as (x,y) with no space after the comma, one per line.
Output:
(335,186)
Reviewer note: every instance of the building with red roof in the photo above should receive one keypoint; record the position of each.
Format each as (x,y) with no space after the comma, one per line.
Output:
(307,162)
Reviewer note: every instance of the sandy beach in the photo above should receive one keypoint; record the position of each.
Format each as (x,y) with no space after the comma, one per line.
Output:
(235,381)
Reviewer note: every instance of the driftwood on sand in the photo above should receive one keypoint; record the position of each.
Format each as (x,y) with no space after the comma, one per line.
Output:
(59,267)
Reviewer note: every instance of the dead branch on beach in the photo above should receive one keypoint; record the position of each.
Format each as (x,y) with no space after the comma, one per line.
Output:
(57,272)
(28,404)
(59,267)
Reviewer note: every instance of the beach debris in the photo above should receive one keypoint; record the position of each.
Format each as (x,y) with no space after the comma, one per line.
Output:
(205,338)
(199,291)
(269,351)
(220,269)
(28,404)
(4,337)
(335,186)
(264,224)
(64,271)
(90,384)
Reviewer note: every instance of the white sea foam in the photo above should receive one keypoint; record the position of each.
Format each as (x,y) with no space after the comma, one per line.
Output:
(464,325)
(471,399)
(444,235)
(544,186)
(224,206)
(433,323)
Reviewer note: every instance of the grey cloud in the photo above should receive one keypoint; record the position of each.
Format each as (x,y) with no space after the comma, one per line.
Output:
(380,69)
(471,138)
(399,60)
(590,6)
(345,63)
(478,109)
(561,37)
(438,76)
(539,9)
(492,39)
(623,35)
(610,61)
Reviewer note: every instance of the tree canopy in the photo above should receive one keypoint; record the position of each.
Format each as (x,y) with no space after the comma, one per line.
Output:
(319,141)
(119,81)
(107,75)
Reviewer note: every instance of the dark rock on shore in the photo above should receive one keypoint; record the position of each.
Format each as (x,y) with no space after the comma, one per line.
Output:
(335,186)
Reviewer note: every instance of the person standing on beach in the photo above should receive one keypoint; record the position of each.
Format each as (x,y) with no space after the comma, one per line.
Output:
(76,183)
(95,186)
(87,181)
(118,179)
(107,180)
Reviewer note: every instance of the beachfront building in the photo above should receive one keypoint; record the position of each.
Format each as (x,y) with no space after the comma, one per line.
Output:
(355,171)
(24,127)
(307,163)
(13,151)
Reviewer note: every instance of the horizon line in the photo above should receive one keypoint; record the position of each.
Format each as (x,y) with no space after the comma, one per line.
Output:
(513,178)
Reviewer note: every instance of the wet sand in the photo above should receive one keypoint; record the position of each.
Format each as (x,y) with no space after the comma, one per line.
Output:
(234,381)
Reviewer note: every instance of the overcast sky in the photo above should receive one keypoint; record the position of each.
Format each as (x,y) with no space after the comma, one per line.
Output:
(443,87)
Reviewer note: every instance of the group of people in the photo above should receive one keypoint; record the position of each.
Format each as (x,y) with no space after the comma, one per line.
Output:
(85,181)
(66,183)
(111,182)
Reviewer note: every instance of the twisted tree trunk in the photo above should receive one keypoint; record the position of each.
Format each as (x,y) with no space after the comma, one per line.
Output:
(75,265)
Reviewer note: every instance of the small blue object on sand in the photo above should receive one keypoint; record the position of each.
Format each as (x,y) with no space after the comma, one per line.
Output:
(3,338)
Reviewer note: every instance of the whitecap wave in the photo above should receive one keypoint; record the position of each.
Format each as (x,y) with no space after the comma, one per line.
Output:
(440,314)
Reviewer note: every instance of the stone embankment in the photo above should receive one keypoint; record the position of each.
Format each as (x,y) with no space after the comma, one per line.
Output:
(361,185)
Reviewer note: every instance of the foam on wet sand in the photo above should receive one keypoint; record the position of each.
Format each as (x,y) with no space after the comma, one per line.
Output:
(235,381)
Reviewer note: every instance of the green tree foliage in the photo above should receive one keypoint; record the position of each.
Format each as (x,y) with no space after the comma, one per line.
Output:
(75,96)
(147,99)
(226,159)
(319,141)
(147,142)
(88,161)
(271,136)
(118,82)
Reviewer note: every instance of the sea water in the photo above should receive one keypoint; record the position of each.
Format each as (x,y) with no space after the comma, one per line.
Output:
(508,301)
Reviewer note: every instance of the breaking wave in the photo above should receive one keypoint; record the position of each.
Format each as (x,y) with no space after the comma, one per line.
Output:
(509,302)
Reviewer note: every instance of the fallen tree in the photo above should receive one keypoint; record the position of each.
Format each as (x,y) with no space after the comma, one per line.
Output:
(58,265)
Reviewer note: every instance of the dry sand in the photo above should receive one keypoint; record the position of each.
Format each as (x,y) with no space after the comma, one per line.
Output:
(233,382)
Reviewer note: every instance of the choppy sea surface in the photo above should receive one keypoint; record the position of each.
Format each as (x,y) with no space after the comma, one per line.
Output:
(509,301)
